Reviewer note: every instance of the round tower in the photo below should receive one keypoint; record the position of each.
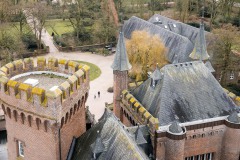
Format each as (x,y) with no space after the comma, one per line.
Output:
(231,139)
(44,106)
(174,147)
(120,68)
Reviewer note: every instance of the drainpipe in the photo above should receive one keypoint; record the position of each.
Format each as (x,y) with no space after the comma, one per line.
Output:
(60,148)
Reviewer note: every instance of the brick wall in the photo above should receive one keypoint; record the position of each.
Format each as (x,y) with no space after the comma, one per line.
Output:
(120,82)
(74,127)
(38,143)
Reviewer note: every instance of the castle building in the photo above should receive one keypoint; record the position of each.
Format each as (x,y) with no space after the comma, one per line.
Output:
(180,40)
(44,106)
(188,114)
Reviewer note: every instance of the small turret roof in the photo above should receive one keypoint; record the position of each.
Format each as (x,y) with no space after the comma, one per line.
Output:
(156,75)
(175,127)
(200,49)
(121,62)
(233,117)
(139,138)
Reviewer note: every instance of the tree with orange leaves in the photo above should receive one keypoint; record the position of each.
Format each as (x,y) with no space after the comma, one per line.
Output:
(145,51)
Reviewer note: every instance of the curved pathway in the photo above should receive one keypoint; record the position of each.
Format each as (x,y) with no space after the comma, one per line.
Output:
(102,83)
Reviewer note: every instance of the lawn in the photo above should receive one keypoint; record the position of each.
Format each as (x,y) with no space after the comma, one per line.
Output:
(13,29)
(95,71)
(58,26)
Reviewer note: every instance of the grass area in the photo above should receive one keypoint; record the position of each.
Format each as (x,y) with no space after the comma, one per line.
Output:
(58,26)
(95,71)
(13,29)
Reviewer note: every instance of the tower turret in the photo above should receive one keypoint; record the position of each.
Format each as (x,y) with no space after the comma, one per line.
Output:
(44,106)
(200,49)
(120,68)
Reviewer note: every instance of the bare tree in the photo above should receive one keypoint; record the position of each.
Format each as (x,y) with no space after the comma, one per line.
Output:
(38,14)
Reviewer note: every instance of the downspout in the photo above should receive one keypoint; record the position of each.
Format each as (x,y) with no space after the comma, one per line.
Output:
(60,148)
(70,153)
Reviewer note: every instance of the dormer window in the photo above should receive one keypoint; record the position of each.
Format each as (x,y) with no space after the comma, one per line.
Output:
(232,75)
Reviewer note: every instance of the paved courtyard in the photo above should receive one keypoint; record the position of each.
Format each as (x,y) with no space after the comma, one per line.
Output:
(101,84)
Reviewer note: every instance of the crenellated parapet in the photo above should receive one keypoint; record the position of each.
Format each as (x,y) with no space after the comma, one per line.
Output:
(233,96)
(140,114)
(38,100)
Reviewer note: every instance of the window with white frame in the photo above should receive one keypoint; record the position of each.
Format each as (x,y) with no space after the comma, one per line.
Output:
(20,148)
(232,75)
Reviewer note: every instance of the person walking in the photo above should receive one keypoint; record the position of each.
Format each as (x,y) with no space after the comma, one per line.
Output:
(98,94)
(94,96)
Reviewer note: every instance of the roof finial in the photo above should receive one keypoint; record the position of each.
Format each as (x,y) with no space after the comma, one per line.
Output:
(200,49)
(121,62)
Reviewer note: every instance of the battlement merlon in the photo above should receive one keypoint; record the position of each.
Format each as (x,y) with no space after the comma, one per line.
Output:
(38,98)
(138,111)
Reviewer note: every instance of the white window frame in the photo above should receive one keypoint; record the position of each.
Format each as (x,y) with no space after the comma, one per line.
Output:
(20,148)
(232,75)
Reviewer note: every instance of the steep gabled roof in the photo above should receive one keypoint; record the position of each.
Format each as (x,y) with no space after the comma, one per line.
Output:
(115,141)
(187,92)
(175,43)
(121,62)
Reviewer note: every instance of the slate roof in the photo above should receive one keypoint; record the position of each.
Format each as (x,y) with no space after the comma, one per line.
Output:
(121,62)
(187,92)
(117,142)
(209,66)
(175,43)
(178,27)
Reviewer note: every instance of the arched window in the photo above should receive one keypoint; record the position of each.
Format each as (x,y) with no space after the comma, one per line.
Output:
(79,103)
(38,122)
(82,101)
(3,108)
(86,97)
(71,113)
(75,109)
(46,125)
(23,117)
(62,122)
(30,120)
(66,119)
(9,112)
(15,115)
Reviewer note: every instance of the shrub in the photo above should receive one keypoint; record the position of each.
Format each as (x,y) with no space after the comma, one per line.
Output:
(110,89)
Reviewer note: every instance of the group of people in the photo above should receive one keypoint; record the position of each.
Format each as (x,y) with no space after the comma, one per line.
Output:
(98,95)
